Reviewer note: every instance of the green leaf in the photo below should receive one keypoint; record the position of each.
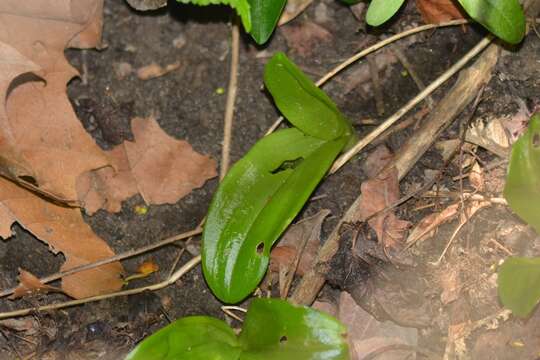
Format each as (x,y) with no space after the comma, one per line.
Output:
(380,11)
(301,102)
(522,188)
(241,6)
(255,202)
(504,18)
(273,329)
(264,17)
(194,338)
(519,284)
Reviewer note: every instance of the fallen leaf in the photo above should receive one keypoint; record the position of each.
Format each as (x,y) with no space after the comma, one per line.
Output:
(438,11)
(292,10)
(29,284)
(64,230)
(307,231)
(491,135)
(155,70)
(427,225)
(367,335)
(28,324)
(476,177)
(159,167)
(303,38)
(40,133)
(379,192)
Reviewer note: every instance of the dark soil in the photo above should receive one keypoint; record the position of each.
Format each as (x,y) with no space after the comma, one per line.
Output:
(187,105)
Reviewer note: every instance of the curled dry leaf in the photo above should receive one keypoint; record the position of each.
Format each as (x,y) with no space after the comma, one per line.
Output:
(64,230)
(41,136)
(307,231)
(491,135)
(159,167)
(379,192)
(29,284)
(292,10)
(476,177)
(437,11)
(430,223)
(155,70)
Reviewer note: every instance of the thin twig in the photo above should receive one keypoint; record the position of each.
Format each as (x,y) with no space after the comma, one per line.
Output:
(369,50)
(177,275)
(231,98)
(124,255)
(412,103)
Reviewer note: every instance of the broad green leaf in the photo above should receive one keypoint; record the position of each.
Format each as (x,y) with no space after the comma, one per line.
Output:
(275,329)
(255,202)
(519,284)
(264,17)
(301,102)
(522,188)
(504,18)
(380,11)
(241,7)
(193,338)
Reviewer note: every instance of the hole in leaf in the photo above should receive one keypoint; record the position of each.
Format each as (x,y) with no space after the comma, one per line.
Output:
(536,140)
(260,248)
(29,179)
(287,164)
(283,339)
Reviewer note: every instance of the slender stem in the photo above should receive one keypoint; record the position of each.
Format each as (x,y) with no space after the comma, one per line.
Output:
(412,103)
(231,98)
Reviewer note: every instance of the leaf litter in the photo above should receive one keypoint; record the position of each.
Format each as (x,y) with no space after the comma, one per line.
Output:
(44,146)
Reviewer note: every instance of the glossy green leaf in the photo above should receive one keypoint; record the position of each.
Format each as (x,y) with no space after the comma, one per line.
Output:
(522,188)
(193,338)
(264,17)
(241,6)
(504,18)
(301,102)
(255,202)
(380,11)
(519,284)
(273,329)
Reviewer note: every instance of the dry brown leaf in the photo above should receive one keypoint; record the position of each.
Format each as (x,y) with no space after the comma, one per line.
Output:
(476,177)
(303,38)
(159,167)
(64,230)
(41,134)
(29,284)
(284,254)
(378,193)
(292,10)
(437,11)
(155,70)
(427,225)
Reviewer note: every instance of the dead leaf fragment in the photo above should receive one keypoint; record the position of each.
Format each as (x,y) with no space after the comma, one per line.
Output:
(427,225)
(438,11)
(476,177)
(155,70)
(378,193)
(159,167)
(303,38)
(64,230)
(285,252)
(29,284)
(292,10)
